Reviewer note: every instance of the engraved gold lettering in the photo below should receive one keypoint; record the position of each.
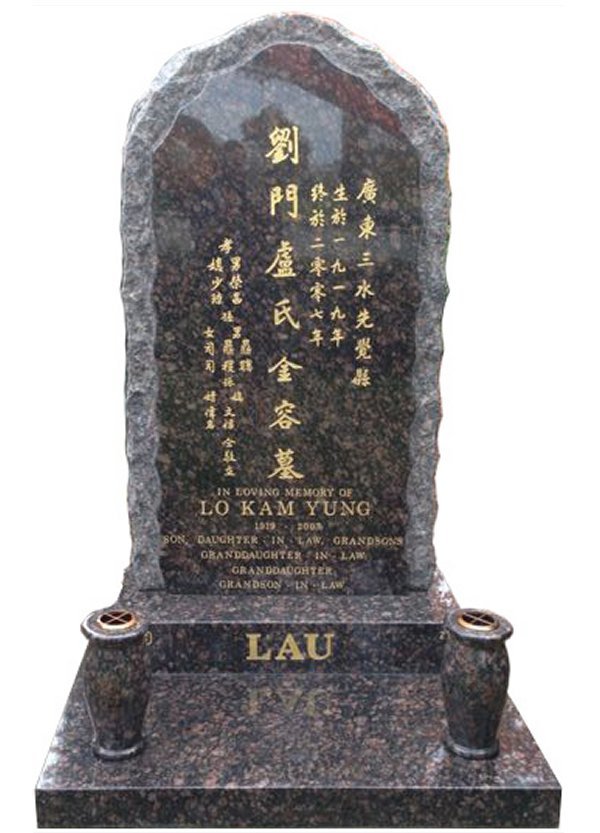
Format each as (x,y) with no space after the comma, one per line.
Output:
(285,465)
(282,265)
(219,507)
(316,647)
(311,646)
(289,650)
(253,654)
(285,144)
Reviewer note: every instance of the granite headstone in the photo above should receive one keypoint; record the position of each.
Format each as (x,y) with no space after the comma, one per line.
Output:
(285,223)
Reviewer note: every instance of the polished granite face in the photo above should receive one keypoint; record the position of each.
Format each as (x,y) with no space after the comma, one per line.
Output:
(285,221)
(357,633)
(336,750)
(340,307)
(231,183)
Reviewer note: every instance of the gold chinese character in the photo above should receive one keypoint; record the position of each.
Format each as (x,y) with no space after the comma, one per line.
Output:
(237,396)
(285,144)
(318,192)
(210,396)
(229,456)
(338,217)
(216,282)
(226,245)
(246,365)
(363,290)
(368,192)
(229,471)
(340,194)
(337,336)
(317,291)
(216,298)
(210,366)
(228,442)
(284,457)
(209,333)
(318,266)
(283,412)
(228,382)
(228,366)
(215,265)
(363,348)
(284,368)
(363,320)
(209,348)
(362,377)
(236,263)
(337,314)
(367,228)
(316,337)
(317,313)
(283,263)
(277,195)
(246,347)
(283,312)
(317,218)
(237,297)
(228,348)
(227,316)
(366,260)
(337,267)
(236,331)
(236,282)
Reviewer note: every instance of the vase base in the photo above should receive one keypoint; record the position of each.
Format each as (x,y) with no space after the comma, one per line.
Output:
(474,753)
(118,754)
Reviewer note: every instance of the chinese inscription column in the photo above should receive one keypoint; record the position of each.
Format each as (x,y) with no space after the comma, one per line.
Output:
(228,352)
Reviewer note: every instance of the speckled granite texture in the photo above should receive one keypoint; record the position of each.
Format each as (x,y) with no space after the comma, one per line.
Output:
(117,676)
(381,633)
(357,739)
(193,161)
(291,750)
(475,674)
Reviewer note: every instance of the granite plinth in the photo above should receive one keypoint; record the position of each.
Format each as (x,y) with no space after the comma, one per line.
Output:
(293,750)
(371,634)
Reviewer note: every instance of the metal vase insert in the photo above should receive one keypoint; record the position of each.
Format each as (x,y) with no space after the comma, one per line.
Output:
(475,671)
(116,675)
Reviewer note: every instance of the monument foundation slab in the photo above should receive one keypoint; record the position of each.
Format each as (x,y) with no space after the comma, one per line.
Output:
(283,750)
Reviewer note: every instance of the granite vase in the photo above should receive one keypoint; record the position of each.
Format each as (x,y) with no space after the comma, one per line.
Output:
(116,675)
(475,672)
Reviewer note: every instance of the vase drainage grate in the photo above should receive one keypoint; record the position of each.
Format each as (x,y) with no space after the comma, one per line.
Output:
(117,620)
(478,620)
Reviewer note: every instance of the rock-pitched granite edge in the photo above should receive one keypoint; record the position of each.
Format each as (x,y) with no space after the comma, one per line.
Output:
(183,78)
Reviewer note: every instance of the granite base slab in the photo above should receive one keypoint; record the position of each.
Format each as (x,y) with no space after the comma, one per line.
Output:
(247,749)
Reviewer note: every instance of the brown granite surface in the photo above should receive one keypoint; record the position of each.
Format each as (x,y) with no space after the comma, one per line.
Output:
(341,749)
(197,172)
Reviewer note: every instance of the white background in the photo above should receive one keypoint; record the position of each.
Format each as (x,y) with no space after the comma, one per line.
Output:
(517,481)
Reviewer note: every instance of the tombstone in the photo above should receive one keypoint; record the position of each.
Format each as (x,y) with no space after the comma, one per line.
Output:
(285,222)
